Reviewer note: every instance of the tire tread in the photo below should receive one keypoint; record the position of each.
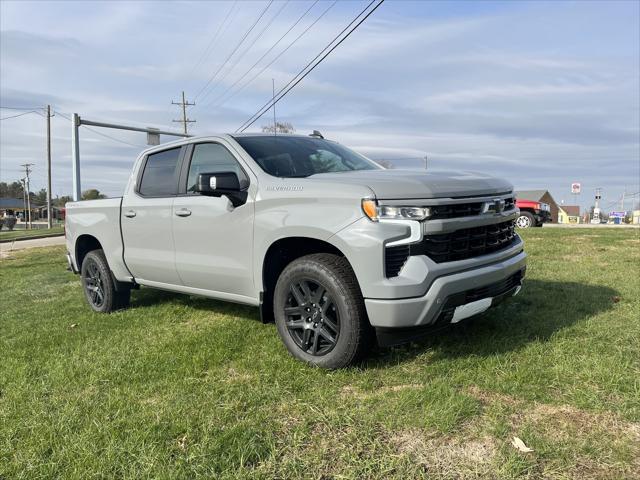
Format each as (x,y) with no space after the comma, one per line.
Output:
(360,336)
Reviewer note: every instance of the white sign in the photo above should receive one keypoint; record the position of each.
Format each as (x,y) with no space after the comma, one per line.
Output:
(576,187)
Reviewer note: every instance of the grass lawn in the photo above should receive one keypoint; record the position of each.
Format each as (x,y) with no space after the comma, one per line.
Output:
(183,387)
(22,234)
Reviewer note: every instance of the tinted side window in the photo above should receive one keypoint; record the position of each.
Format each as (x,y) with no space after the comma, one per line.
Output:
(211,158)
(160,176)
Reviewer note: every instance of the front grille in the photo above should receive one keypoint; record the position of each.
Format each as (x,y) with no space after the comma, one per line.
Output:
(471,209)
(509,203)
(456,210)
(394,259)
(466,243)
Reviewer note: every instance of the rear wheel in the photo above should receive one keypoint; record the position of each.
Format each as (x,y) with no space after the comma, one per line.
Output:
(320,313)
(525,220)
(98,285)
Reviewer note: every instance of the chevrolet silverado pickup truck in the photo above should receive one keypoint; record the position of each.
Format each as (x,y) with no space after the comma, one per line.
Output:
(335,249)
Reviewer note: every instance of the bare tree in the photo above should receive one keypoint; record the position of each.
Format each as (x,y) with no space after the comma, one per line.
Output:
(281,127)
(385,163)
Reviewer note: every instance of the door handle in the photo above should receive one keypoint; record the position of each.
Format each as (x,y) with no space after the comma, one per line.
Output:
(130,213)
(183,212)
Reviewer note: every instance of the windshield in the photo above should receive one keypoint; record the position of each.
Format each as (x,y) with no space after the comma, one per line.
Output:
(284,156)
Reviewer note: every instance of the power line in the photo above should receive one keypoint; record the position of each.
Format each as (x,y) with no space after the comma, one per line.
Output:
(287,88)
(217,101)
(19,115)
(246,50)
(246,34)
(207,50)
(20,108)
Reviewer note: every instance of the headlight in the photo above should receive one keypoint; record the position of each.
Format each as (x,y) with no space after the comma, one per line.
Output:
(377,212)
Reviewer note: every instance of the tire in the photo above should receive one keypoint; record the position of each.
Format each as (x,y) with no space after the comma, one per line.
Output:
(525,220)
(98,284)
(319,311)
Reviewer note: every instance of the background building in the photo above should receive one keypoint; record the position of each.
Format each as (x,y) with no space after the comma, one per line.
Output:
(569,214)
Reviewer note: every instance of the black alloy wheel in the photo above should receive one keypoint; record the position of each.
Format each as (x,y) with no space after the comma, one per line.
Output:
(320,313)
(99,286)
(94,285)
(312,318)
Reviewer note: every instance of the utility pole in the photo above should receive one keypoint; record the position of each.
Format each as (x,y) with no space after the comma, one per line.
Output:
(185,121)
(426,162)
(27,170)
(622,200)
(24,200)
(49,212)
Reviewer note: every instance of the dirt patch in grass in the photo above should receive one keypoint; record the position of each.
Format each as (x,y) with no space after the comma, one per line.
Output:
(234,375)
(348,391)
(570,430)
(462,456)
(562,418)
(572,258)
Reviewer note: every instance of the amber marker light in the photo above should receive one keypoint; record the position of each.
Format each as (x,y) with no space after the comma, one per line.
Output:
(370,209)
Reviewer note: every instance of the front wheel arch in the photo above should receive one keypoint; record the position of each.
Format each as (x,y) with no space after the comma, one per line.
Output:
(280,254)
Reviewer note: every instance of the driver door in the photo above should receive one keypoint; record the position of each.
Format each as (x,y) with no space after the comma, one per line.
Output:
(213,240)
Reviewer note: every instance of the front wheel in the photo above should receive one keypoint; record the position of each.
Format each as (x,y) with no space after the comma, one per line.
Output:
(320,313)
(525,220)
(97,283)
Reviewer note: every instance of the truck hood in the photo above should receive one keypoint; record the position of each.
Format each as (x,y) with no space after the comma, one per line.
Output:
(395,184)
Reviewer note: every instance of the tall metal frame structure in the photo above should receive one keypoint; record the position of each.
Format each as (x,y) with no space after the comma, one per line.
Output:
(153,136)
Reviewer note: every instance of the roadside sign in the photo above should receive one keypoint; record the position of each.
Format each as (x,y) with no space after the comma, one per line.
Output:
(618,214)
(576,187)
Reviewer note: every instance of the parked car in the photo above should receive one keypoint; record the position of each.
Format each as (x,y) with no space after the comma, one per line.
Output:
(532,213)
(324,241)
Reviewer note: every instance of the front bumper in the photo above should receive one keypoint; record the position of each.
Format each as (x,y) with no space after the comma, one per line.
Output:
(542,216)
(425,310)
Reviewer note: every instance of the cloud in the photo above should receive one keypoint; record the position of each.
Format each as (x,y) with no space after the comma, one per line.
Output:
(541,93)
(530,92)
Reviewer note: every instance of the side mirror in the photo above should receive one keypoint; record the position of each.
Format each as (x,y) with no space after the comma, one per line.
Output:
(223,183)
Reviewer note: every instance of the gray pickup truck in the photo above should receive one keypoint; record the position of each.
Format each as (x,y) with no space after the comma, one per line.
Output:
(335,249)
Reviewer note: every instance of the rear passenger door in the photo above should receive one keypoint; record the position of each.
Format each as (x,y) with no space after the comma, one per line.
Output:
(146,219)
(213,240)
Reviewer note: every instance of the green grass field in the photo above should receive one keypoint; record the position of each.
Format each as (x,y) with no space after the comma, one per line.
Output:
(184,387)
(25,234)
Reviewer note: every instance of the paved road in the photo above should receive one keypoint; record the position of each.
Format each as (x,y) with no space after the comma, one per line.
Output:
(5,248)
(588,225)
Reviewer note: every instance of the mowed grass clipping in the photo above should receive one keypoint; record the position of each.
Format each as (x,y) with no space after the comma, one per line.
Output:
(184,387)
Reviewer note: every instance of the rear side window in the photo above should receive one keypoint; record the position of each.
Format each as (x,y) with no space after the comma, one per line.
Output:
(211,158)
(160,175)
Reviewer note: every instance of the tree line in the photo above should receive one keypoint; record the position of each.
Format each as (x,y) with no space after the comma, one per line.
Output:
(39,198)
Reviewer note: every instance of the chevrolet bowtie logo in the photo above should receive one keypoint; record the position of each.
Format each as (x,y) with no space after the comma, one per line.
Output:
(495,206)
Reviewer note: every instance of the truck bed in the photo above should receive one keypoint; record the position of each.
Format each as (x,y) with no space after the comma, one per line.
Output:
(100,219)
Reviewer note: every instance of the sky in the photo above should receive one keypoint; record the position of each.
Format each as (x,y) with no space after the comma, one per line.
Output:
(541,93)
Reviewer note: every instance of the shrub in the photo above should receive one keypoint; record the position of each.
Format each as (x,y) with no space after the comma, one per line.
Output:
(10,222)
